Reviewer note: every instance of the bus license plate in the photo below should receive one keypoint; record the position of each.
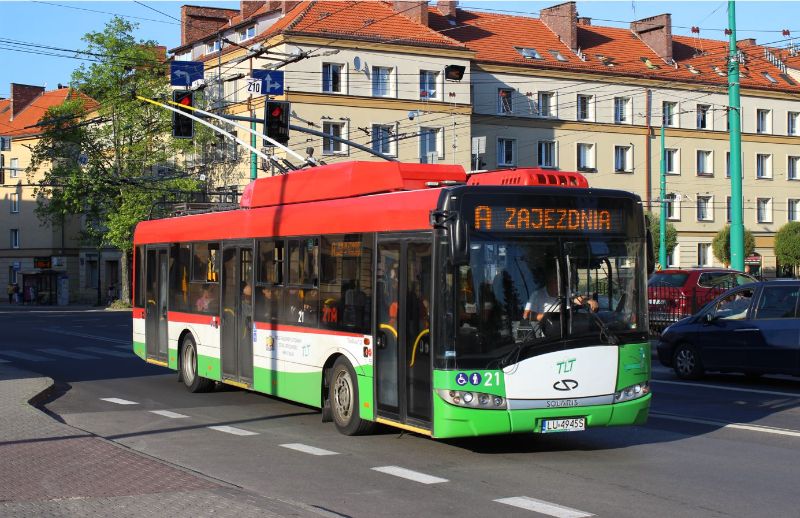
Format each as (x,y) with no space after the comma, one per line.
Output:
(574,424)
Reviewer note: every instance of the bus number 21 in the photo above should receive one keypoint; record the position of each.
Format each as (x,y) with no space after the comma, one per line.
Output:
(492,379)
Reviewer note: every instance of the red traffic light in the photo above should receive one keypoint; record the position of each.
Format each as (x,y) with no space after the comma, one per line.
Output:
(277,111)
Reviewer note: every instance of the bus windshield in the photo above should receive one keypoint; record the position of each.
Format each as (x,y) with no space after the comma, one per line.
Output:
(517,297)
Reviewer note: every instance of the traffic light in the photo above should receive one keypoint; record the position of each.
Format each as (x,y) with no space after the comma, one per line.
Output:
(276,121)
(182,126)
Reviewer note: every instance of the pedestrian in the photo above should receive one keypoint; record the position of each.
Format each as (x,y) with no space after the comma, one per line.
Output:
(17,294)
(10,290)
(111,294)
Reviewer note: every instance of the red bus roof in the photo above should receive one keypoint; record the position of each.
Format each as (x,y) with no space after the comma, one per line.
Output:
(530,176)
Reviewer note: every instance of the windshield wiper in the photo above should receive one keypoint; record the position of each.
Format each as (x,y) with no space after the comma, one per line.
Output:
(605,332)
(513,355)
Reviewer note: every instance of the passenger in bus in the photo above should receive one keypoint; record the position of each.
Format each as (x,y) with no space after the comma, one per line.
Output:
(203,303)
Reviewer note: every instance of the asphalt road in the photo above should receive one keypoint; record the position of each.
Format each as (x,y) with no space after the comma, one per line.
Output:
(724,446)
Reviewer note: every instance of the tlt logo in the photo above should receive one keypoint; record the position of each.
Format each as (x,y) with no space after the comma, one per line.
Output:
(565,366)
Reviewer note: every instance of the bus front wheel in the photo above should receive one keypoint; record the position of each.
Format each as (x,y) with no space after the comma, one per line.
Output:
(193,381)
(343,397)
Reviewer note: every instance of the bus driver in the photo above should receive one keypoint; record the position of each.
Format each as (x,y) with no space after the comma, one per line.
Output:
(545,299)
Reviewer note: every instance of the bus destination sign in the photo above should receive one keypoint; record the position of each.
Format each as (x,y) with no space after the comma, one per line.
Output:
(547,219)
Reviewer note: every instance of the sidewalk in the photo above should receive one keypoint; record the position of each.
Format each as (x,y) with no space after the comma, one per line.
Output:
(48,468)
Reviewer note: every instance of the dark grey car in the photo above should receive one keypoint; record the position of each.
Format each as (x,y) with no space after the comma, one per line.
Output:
(753,329)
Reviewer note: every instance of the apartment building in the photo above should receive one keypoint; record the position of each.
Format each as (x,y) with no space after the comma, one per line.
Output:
(371,72)
(46,261)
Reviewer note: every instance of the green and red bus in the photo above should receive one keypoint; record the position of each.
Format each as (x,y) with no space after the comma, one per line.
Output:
(394,293)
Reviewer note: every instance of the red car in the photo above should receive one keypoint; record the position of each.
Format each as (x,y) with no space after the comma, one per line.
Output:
(675,294)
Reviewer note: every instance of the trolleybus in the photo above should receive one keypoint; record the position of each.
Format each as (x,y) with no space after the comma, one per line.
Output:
(395,293)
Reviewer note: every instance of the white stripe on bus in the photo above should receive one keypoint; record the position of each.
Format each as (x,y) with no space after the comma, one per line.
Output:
(543,507)
(416,476)
(311,450)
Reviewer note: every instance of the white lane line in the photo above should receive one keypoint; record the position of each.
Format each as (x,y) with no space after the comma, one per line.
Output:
(25,356)
(99,350)
(416,476)
(5,361)
(85,335)
(723,424)
(69,354)
(735,389)
(543,507)
(311,450)
(168,413)
(118,401)
(232,430)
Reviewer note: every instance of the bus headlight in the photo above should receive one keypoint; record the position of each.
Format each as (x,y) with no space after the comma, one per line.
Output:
(632,392)
(472,399)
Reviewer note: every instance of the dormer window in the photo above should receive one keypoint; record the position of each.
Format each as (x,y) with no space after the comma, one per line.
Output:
(213,46)
(529,53)
(247,33)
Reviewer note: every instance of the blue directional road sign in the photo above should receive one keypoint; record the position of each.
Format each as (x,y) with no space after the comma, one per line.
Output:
(271,81)
(184,73)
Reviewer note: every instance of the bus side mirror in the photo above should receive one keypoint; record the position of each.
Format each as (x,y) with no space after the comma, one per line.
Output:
(456,232)
(651,254)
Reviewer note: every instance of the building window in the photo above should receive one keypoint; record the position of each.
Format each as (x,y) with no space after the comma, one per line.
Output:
(792,121)
(728,209)
(382,82)
(585,108)
(547,103)
(431,145)
(705,208)
(704,163)
(586,157)
(672,206)
(213,46)
(793,168)
(763,166)
(672,257)
(547,153)
(429,85)
(383,139)
(764,210)
(248,33)
(793,210)
(703,254)
(622,159)
(505,103)
(5,143)
(763,121)
(91,273)
(14,203)
(668,112)
(332,78)
(14,238)
(506,152)
(14,168)
(671,161)
(702,116)
(330,146)
(622,107)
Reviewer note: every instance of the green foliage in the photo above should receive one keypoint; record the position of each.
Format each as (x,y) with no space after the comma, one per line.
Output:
(721,245)
(655,230)
(787,244)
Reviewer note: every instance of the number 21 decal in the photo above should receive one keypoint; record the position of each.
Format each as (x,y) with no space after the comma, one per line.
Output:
(492,379)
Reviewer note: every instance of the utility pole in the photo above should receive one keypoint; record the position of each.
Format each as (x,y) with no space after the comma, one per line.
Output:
(735,134)
(662,224)
(253,141)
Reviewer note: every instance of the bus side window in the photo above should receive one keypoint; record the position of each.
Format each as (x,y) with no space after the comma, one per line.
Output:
(180,259)
(345,282)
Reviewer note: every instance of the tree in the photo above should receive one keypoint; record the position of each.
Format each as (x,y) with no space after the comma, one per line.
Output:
(721,245)
(787,245)
(655,230)
(123,138)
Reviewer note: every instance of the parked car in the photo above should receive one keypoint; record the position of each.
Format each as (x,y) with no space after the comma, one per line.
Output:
(675,294)
(754,329)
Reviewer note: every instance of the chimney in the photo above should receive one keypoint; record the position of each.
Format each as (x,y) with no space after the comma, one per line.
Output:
(417,10)
(447,8)
(199,22)
(561,20)
(656,33)
(584,20)
(22,96)
(248,8)
(747,42)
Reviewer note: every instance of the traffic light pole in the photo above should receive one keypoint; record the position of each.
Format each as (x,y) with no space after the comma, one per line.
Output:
(734,118)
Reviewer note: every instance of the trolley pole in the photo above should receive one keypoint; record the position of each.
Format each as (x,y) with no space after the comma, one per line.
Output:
(662,224)
(735,134)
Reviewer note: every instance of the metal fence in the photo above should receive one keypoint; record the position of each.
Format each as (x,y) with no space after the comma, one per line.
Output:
(668,304)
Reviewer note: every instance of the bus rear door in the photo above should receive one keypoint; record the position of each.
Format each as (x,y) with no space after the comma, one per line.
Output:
(236,326)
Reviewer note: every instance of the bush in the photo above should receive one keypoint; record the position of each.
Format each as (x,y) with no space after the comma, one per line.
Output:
(119,304)
(655,230)
(721,245)
(787,244)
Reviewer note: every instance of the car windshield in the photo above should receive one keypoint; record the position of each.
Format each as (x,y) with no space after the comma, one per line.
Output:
(511,296)
(670,280)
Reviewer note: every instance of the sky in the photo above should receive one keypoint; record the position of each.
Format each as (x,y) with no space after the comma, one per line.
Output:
(61,24)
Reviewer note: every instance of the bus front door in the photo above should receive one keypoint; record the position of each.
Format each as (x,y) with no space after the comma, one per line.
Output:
(402,350)
(156,324)
(236,326)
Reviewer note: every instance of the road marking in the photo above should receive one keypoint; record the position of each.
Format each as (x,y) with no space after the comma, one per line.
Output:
(118,401)
(168,413)
(85,335)
(311,450)
(543,507)
(69,354)
(735,389)
(416,476)
(5,361)
(723,424)
(106,352)
(26,356)
(232,430)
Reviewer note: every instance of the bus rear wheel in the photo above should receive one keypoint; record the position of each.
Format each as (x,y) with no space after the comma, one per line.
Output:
(343,397)
(193,381)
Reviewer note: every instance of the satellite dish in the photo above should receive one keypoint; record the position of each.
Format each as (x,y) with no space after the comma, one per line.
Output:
(357,63)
